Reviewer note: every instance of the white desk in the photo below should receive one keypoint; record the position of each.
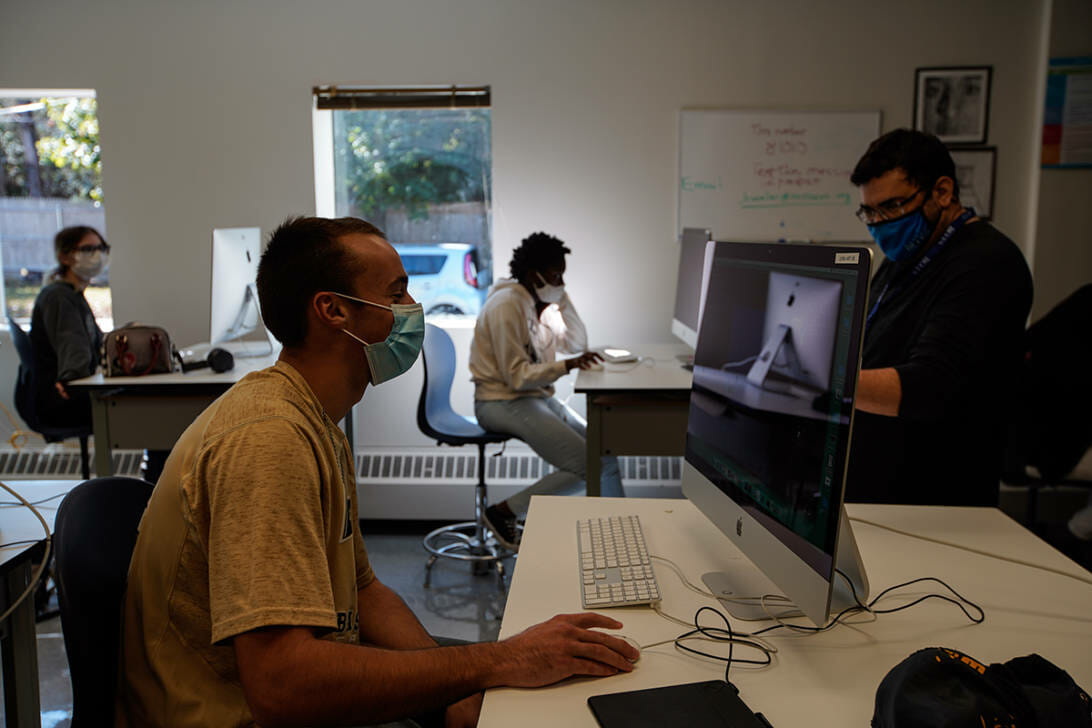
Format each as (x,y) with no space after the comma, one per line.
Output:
(18,636)
(150,412)
(636,409)
(828,679)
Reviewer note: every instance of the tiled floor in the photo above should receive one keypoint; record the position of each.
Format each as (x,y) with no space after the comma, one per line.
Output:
(457,604)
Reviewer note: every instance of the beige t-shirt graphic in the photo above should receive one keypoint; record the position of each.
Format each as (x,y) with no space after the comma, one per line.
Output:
(253,524)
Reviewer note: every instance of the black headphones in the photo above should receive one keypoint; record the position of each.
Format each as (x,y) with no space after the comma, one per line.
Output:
(219,360)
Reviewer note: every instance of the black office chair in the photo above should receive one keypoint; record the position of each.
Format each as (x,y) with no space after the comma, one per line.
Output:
(26,392)
(469,541)
(93,539)
(1053,430)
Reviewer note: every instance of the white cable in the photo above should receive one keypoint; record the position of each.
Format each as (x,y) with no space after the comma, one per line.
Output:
(685,581)
(973,550)
(732,364)
(45,557)
(761,599)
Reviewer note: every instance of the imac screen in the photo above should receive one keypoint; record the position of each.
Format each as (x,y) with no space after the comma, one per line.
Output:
(687,315)
(234,305)
(770,408)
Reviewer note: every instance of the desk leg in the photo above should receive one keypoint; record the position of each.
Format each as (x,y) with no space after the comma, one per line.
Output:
(100,424)
(594,446)
(19,649)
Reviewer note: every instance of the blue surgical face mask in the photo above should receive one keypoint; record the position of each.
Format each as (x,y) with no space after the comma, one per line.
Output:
(395,354)
(900,238)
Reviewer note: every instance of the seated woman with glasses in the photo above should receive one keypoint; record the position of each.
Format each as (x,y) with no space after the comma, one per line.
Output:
(63,330)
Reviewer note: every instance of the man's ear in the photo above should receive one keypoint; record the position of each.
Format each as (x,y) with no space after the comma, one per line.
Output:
(330,310)
(944,191)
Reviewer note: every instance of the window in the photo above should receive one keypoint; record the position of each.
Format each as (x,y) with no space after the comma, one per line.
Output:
(418,164)
(422,265)
(50,178)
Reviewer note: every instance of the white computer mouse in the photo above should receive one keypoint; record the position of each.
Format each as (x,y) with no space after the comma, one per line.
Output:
(595,366)
(633,643)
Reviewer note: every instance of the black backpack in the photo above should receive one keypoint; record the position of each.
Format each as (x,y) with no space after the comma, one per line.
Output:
(943,688)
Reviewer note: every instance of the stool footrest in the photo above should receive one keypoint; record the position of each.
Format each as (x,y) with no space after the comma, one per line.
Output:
(463,543)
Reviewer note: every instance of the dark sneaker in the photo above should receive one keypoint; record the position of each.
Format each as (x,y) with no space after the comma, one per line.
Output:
(504,528)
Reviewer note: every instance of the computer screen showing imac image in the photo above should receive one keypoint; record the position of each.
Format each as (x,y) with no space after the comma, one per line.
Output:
(798,336)
(766,461)
(234,308)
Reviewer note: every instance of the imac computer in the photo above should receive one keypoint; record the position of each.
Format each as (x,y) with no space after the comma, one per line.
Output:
(767,465)
(689,289)
(234,311)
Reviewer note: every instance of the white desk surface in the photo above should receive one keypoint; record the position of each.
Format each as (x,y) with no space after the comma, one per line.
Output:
(660,369)
(734,386)
(826,679)
(243,366)
(17,523)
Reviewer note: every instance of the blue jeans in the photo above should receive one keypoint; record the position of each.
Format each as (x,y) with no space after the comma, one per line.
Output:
(558,436)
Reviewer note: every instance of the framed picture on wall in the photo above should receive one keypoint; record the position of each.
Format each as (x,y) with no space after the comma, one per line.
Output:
(953,103)
(975,172)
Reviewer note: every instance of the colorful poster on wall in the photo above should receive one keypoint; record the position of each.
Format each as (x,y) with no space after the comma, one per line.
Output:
(1067,122)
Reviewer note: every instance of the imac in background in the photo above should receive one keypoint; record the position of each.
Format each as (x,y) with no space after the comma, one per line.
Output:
(689,289)
(768,468)
(234,310)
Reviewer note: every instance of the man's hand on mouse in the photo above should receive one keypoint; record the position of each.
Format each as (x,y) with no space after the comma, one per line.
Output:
(564,646)
(585,361)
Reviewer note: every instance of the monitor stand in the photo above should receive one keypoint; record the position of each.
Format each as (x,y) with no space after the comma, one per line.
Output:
(780,342)
(748,583)
(244,349)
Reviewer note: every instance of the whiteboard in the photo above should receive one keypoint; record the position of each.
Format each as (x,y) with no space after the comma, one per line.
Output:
(772,175)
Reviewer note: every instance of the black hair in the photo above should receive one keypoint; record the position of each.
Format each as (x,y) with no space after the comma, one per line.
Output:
(66,241)
(304,256)
(922,157)
(537,251)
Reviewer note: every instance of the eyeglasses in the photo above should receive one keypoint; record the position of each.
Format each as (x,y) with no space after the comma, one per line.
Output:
(889,210)
(101,247)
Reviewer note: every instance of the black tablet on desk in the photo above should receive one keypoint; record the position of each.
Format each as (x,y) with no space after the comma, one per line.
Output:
(702,705)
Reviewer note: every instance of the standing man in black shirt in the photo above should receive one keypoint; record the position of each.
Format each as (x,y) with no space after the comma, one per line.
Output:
(947,311)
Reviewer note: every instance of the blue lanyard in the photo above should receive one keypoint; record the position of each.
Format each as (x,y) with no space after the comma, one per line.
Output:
(935,250)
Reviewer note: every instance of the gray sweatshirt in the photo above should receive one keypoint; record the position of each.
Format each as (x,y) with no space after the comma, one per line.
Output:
(64,333)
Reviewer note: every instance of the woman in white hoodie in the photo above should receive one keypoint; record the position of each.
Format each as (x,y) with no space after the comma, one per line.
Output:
(526,321)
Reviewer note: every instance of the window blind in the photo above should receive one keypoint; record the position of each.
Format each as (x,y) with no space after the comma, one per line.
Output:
(410,97)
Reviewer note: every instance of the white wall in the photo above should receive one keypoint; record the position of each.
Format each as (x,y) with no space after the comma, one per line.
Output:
(205,111)
(1063,241)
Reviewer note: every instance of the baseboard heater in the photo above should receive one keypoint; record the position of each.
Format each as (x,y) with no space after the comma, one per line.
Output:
(431,485)
(61,463)
(391,483)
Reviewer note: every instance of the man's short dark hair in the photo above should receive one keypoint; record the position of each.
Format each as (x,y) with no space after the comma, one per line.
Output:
(305,255)
(537,251)
(923,158)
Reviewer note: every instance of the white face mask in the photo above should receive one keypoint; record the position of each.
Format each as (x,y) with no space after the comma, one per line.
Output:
(88,264)
(547,293)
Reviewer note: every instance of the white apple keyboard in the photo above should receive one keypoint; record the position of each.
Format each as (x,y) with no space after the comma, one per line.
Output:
(615,569)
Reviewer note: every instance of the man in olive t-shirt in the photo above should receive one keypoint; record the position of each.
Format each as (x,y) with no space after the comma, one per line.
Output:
(250,599)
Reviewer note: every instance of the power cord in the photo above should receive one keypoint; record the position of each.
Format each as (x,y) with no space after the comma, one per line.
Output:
(762,600)
(17,433)
(733,364)
(980,552)
(11,504)
(37,576)
(754,640)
